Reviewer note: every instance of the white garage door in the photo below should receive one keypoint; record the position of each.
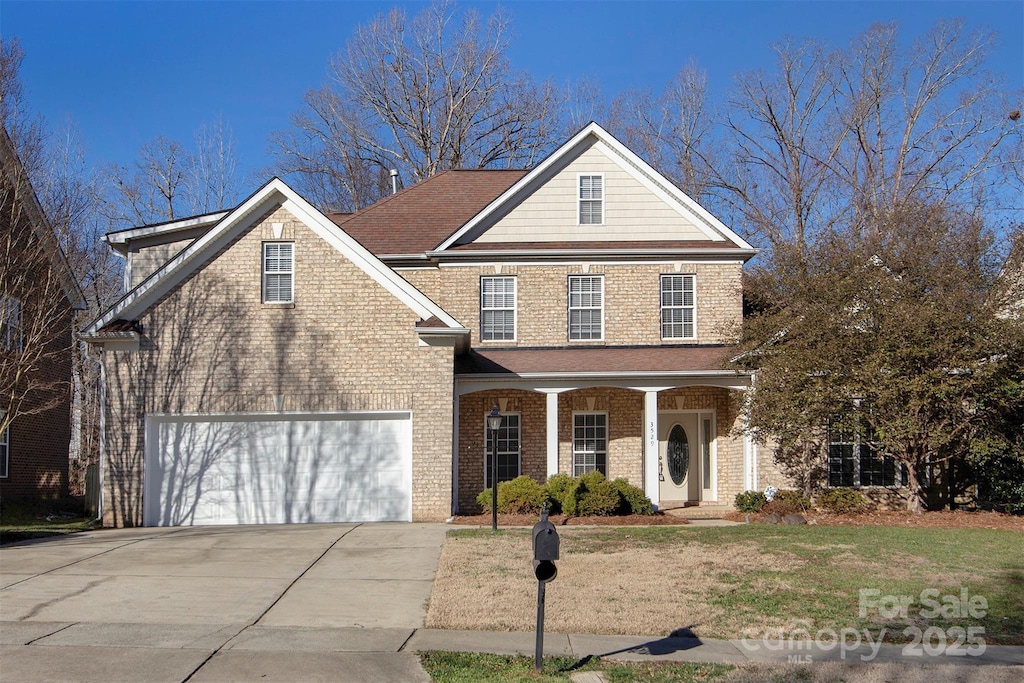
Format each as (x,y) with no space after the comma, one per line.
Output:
(268,469)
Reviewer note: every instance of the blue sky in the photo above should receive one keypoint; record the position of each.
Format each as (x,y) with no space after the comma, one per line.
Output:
(127,72)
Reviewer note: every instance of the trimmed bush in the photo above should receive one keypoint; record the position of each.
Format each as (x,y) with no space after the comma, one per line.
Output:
(750,501)
(633,501)
(590,494)
(843,501)
(522,495)
(557,487)
(787,503)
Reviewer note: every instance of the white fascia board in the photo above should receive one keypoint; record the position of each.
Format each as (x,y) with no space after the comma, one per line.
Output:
(635,381)
(122,237)
(276,191)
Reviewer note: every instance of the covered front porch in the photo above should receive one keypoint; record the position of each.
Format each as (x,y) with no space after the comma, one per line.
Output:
(669,431)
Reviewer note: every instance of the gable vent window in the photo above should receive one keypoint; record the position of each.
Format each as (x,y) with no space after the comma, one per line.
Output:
(591,199)
(498,308)
(678,307)
(278,272)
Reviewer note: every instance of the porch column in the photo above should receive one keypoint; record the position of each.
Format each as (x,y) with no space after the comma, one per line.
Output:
(651,455)
(552,433)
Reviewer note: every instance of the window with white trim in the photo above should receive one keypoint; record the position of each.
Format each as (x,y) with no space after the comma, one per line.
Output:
(5,452)
(589,443)
(508,449)
(498,308)
(586,307)
(278,272)
(678,307)
(853,457)
(591,199)
(10,324)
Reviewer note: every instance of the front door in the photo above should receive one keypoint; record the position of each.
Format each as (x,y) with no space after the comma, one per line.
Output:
(679,444)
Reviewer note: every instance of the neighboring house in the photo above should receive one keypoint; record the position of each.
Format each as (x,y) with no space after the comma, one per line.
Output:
(38,295)
(274,364)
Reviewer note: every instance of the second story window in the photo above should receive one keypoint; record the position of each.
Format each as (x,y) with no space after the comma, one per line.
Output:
(10,324)
(278,272)
(498,308)
(678,307)
(586,307)
(591,198)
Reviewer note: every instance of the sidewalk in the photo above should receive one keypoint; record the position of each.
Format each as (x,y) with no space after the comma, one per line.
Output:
(706,650)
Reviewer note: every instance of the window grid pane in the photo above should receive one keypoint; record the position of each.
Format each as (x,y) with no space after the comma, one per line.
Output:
(586,307)
(590,443)
(678,307)
(278,270)
(591,200)
(497,308)
(508,450)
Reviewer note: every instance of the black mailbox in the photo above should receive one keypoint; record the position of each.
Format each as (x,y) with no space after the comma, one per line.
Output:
(545,548)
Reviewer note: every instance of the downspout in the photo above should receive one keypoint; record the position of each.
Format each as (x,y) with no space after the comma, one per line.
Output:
(103,434)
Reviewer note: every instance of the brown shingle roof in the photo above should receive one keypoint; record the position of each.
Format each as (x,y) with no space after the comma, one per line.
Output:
(596,359)
(420,217)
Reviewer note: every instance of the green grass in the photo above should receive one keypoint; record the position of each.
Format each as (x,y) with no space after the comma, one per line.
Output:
(22,522)
(816,573)
(467,667)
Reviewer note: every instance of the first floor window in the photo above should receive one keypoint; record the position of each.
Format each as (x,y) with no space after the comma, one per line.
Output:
(678,307)
(498,308)
(589,443)
(5,451)
(508,449)
(586,307)
(278,271)
(854,460)
(10,323)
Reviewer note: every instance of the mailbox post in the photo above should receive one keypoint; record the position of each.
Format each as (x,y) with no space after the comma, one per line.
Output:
(545,552)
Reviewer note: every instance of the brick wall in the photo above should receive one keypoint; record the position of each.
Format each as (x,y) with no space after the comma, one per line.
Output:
(632,310)
(211,346)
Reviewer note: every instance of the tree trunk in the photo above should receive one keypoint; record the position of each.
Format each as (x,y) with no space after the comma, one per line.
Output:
(914,492)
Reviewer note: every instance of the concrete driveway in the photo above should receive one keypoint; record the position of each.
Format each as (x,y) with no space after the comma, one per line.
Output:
(333,602)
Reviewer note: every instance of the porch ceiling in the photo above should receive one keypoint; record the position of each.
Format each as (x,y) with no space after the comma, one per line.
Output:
(625,360)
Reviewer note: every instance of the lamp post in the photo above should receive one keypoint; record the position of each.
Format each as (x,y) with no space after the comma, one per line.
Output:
(493,425)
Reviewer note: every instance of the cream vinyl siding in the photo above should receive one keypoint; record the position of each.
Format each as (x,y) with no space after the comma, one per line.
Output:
(631,211)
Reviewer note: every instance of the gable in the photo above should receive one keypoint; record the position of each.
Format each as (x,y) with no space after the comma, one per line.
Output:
(239,222)
(633,211)
(642,207)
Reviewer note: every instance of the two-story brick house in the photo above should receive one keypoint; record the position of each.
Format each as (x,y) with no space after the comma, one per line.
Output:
(272,363)
(38,299)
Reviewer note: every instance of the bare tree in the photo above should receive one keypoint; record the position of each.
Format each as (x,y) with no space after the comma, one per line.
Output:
(35,310)
(421,95)
(213,184)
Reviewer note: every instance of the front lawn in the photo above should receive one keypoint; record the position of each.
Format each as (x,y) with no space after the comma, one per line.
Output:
(731,582)
(22,522)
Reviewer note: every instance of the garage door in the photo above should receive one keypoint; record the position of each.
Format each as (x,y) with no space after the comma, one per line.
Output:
(260,469)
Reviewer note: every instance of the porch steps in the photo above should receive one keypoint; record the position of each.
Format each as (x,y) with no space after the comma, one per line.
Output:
(699,511)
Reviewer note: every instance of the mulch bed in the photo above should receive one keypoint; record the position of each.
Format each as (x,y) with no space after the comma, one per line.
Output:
(563,520)
(940,519)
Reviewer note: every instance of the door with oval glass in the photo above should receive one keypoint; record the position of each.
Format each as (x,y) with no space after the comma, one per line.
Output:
(685,470)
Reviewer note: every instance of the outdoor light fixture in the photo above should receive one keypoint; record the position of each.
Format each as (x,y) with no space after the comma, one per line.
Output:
(493,425)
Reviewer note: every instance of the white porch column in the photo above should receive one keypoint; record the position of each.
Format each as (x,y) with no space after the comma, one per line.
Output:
(651,455)
(552,433)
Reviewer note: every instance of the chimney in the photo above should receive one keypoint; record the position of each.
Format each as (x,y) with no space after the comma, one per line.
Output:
(394,180)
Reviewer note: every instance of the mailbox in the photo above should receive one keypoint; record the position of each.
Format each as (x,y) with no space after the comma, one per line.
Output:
(545,548)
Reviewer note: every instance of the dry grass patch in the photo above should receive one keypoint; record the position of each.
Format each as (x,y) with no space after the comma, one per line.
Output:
(604,585)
